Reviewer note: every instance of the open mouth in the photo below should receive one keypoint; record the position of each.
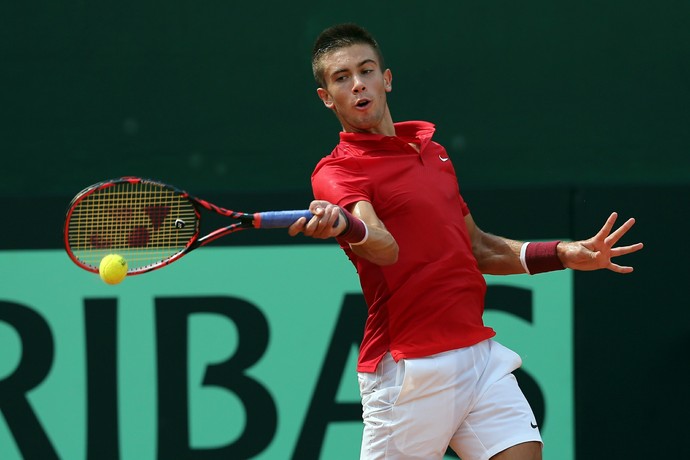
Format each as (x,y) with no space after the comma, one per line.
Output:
(362,103)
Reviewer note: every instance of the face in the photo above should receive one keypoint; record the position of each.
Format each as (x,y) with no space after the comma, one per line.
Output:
(356,89)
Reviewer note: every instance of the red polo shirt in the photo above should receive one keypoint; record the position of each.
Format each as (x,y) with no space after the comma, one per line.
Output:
(432,299)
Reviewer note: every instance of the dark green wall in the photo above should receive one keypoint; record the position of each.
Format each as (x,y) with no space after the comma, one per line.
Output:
(523,93)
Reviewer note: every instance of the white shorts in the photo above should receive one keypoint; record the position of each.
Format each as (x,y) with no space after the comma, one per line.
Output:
(466,399)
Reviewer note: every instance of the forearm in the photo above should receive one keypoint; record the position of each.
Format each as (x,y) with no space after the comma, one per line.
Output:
(497,255)
(501,256)
(379,246)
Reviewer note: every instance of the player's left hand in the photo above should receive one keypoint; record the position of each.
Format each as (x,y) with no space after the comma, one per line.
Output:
(597,252)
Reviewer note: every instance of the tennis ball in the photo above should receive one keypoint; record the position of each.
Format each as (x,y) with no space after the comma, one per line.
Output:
(113,268)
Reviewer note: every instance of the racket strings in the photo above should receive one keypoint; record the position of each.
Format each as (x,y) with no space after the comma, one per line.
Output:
(143,222)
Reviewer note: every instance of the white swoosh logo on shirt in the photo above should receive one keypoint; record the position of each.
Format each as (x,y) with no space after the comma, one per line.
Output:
(443,159)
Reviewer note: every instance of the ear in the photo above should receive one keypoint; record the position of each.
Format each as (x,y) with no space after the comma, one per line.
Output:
(388,80)
(325,97)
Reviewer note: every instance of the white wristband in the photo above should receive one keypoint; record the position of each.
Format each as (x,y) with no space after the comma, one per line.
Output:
(366,236)
(523,261)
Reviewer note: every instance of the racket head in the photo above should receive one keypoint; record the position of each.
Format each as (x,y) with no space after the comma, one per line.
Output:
(147,222)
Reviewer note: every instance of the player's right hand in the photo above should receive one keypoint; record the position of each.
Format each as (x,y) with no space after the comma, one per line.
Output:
(327,222)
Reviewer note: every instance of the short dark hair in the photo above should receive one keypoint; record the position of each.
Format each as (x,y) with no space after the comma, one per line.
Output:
(335,38)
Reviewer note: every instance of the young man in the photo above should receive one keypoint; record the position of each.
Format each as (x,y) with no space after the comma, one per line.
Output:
(430,374)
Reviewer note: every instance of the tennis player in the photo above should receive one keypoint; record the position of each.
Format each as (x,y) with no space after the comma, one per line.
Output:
(430,374)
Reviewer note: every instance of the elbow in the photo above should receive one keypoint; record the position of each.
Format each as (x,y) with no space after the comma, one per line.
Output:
(389,260)
(389,257)
(485,269)
(483,262)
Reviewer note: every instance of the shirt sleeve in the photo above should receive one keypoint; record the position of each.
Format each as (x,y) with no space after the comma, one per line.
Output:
(339,184)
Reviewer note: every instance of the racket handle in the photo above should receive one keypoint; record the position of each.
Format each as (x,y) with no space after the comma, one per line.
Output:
(282,219)
(279,219)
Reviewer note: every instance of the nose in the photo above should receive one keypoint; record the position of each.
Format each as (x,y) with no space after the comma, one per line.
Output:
(358,85)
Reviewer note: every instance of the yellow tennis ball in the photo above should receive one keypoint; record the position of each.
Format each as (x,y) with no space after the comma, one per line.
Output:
(113,268)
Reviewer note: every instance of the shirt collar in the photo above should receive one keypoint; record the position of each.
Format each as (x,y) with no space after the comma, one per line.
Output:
(419,132)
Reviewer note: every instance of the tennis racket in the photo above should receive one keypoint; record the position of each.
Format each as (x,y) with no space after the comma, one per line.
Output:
(149,223)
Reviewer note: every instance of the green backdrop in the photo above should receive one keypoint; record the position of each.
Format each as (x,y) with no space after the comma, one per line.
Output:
(253,359)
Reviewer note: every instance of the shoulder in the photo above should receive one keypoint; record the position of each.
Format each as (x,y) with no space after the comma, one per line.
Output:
(331,171)
(339,179)
(339,161)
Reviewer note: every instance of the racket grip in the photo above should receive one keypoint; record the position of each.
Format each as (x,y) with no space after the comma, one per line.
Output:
(282,219)
(279,219)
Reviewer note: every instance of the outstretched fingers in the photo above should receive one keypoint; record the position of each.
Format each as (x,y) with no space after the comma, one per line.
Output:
(613,238)
(623,250)
(605,231)
(605,241)
(619,268)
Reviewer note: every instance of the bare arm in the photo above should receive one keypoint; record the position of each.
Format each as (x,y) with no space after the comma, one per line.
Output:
(495,255)
(501,256)
(380,247)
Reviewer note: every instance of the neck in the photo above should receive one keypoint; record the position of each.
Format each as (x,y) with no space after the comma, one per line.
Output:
(384,127)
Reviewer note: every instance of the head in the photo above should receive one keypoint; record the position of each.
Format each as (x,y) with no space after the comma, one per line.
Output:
(348,67)
(336,37)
